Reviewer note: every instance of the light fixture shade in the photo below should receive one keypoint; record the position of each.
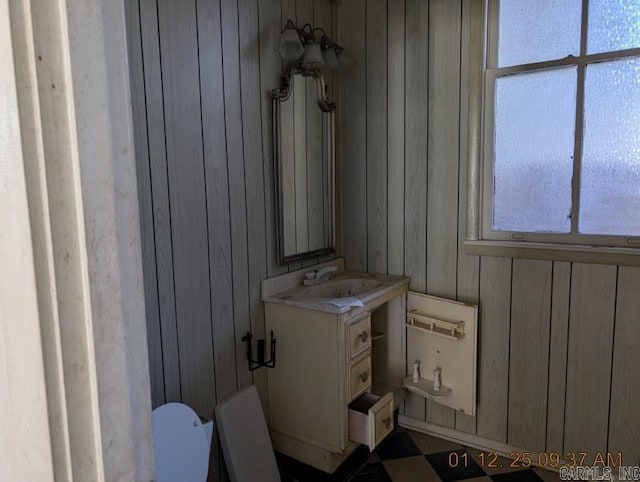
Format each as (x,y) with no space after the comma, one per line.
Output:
(330,59)
(290,46)
(312,57)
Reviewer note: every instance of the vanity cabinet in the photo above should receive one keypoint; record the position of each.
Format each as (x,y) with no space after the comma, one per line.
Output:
(320,401)
(341,369)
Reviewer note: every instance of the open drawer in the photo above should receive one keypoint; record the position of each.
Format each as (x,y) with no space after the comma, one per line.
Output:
(370,419)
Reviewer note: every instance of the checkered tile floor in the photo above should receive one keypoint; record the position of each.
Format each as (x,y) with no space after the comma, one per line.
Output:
(407,456)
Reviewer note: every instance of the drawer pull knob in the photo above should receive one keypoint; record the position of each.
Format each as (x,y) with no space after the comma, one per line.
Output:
(387,422)
(364,336)
(364,376)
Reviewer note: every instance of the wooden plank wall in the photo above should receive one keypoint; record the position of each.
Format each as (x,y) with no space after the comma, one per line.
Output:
(201,74)
(559,362)
(558,347)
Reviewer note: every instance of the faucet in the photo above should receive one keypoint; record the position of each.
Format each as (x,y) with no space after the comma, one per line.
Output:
(323,274)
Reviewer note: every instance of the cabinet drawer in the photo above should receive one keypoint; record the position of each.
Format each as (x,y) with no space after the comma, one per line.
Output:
(359,376)
(359,335)
(370,419)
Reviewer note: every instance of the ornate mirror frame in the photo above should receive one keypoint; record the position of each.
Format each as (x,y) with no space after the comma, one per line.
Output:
(278,97)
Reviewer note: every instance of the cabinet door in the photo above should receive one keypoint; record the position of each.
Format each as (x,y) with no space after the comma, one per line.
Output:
(307,384)
(442,334)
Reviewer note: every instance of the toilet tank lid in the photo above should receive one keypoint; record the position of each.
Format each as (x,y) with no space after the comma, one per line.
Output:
(244,437)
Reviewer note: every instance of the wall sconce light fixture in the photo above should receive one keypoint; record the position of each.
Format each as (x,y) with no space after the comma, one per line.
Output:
(311,48)
(306,51)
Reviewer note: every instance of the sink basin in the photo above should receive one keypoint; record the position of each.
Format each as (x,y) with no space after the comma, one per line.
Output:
(339,288)
(345,291)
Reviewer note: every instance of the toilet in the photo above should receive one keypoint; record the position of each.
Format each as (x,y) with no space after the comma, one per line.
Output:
(181,441)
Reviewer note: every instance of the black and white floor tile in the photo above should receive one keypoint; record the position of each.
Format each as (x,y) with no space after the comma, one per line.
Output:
(407,456)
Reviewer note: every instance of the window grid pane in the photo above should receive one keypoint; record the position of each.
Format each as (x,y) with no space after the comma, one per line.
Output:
(613,25)
(533,151)
(610,179)
(524,39)
(532,181)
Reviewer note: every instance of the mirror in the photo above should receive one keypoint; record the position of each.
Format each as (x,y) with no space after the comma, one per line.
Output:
(304,159)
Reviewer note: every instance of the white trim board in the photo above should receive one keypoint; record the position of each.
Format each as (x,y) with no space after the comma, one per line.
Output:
(72,231)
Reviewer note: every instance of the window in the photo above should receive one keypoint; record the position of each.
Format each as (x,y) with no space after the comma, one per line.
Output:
(561,123)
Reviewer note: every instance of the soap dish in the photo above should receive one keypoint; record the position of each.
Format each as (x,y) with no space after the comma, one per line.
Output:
(425,389)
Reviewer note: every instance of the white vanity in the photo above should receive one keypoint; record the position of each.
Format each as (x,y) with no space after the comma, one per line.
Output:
(341,361)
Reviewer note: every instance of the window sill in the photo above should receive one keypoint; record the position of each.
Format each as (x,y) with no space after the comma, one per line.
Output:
(555,252)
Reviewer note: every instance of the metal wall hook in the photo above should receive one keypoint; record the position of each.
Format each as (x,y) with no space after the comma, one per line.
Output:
(260,362)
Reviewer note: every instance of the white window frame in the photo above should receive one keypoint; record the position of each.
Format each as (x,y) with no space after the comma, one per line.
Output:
(480,237)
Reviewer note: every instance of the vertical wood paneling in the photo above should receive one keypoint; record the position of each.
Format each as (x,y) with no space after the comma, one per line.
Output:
(416,115)
(322,19)
(160,194)
(216,176)
(180,76)
(468,275)
(395,136)
(559,333)
(237,187)
(145,200)
(353,114)
(288,12)
(493,348)
(443,122)
(529,353)
(442,188)
(593,295)
(202,72)
(218,223)
(416,111)
(376,85)
(254,180)
(624,416)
